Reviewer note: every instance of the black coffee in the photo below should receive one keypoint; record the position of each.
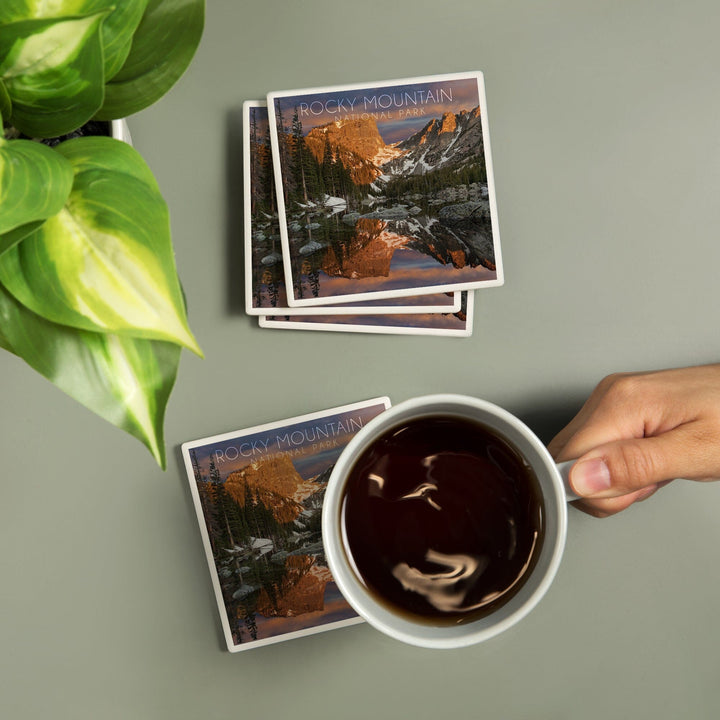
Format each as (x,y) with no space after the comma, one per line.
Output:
(443,519)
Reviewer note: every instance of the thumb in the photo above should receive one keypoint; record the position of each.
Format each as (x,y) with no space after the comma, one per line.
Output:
(625,466)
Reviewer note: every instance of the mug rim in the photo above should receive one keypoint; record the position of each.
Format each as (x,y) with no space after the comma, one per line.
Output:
(347,579)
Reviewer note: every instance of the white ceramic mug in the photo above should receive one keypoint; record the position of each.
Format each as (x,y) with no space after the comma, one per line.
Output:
(555,491)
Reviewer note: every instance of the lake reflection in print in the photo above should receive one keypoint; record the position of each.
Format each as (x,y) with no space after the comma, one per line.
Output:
(380,255)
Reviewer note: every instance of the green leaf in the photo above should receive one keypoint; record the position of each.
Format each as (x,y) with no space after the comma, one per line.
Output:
(12,238)
(35,182)
(105,262)
(99,152)
(4,342)
(5,104)
(124,380)
(52,71)
(163,46)
(117,30)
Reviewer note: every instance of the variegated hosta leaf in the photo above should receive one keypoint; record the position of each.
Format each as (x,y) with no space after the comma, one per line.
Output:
(125,380)
(162,48)
(117,30)
(52,71)
(35,182)
(105,261)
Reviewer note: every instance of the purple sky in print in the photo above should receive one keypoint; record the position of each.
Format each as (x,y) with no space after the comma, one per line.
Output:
(399,110)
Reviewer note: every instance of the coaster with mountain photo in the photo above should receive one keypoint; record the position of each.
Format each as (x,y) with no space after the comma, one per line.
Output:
(258,495)
(264,278)
(385,189)
(449,324)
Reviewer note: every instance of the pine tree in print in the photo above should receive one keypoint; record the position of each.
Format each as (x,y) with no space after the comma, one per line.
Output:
(298,165)
(255,183)
(214,472)
(285,155)
(267,177)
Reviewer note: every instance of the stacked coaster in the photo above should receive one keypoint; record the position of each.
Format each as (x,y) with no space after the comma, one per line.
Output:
(370,207)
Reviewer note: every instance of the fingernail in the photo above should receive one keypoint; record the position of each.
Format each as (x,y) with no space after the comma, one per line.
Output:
(590,477)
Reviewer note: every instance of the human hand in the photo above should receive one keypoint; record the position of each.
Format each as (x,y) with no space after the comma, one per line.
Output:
(639,431)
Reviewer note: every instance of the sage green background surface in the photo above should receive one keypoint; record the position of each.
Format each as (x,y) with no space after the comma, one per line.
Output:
(605,130)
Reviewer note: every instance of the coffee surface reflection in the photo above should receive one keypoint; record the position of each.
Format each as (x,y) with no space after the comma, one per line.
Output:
(442,519)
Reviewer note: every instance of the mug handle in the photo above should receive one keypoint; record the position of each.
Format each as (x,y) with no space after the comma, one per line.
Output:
(564,470)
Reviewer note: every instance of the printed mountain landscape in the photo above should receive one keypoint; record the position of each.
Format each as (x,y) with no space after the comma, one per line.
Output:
(263,522)
(452,141)
(258,494)
(363,214)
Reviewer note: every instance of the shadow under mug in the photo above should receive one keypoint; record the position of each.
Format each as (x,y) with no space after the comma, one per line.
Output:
(555,491)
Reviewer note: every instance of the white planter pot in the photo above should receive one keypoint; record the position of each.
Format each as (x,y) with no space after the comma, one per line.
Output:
(120,131)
